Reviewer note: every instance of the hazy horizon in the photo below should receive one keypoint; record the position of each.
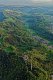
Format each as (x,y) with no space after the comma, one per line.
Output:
(25,2)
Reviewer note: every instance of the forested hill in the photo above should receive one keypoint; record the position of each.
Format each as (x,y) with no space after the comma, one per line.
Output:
(22,55)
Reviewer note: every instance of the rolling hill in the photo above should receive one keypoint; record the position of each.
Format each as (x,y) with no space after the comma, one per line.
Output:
(26,43)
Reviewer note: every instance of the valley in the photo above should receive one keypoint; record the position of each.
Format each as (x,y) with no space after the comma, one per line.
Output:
(2,17)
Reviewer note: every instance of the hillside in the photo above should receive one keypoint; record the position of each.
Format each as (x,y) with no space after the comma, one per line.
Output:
(22,54)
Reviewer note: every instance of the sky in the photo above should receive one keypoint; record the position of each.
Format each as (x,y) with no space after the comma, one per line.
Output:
(24,2)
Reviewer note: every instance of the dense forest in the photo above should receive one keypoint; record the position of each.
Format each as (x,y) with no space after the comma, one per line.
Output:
(26,44)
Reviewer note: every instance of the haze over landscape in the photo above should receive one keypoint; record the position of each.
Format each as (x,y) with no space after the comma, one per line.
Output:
(25,2)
